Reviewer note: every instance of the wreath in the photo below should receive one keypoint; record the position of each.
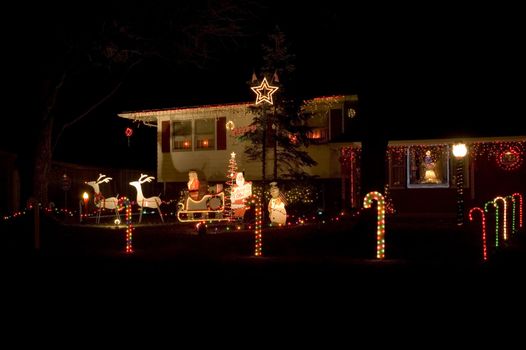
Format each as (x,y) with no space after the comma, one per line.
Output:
(510,159)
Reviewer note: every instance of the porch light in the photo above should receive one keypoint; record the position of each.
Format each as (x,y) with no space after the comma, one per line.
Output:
(460,150)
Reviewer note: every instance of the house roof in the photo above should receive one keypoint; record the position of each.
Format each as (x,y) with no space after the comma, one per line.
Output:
(151,115)
(468,140)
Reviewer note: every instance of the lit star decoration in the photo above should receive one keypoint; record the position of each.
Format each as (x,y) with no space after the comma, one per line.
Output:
(264,92)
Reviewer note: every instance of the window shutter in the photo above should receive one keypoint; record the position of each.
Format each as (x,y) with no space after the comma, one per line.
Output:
(221,133)
(336,123)
(165,136)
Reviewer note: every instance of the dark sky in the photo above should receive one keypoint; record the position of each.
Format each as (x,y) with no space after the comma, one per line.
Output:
(423,67)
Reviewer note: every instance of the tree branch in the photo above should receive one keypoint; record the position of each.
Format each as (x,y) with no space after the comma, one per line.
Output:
(53,98)
(96,104)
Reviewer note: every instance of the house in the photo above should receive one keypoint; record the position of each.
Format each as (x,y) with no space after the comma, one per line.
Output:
(203,138)
(422,175)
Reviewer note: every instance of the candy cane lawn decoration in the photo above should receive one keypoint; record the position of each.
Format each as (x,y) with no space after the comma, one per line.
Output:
(380,221)
(483,218)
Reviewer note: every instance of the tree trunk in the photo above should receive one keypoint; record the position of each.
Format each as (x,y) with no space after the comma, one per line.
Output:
(264,150)
(42,165)
(275,144)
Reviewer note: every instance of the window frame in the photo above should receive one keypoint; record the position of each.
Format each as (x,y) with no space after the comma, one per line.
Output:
(446,157)
(213,146)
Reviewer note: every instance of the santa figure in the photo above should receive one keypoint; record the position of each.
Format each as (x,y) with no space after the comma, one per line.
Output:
(193,185)
(241,190)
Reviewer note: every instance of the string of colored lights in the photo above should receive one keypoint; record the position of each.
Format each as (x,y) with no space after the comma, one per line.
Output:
(512,213)
(460,191)
(129,225)
(516,194)
(231,176)
(258,232)
(483,219)
(380,221)
(505,216)
(486,205)
(508,154)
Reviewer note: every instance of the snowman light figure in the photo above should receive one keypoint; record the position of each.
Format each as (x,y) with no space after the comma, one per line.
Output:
(276,206)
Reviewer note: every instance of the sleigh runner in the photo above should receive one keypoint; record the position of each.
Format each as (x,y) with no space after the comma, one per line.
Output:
(210,207)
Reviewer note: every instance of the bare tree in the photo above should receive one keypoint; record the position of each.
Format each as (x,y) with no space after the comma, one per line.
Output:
(104,46)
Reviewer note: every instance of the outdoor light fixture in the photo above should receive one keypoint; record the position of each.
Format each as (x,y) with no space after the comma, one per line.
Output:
(459,151)
(85,198)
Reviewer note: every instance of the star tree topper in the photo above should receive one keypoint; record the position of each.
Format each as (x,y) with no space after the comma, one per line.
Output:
(264,92)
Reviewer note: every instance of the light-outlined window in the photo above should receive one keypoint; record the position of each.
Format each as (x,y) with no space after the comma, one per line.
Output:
(428,166)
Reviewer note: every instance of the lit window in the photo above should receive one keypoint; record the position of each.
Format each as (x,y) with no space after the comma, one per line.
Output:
(428,166)
(205,133)
(182,135)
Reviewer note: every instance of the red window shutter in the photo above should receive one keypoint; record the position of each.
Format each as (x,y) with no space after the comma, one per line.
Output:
(221,133)
(336,123)
(165,136)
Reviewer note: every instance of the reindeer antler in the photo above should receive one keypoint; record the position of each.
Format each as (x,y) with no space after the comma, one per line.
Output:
(148,179)
(100,177)
(106,180)
(141,178)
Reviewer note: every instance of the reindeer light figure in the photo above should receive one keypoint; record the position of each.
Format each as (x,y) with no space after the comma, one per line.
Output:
(150,202)
(100,201)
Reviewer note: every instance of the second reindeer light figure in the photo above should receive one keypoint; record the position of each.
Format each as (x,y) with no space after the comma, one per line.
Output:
(150,202)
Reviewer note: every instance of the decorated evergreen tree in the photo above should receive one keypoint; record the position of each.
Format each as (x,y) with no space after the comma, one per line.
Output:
(279,120)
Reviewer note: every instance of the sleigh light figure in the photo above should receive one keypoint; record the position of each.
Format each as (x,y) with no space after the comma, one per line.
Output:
(197,207)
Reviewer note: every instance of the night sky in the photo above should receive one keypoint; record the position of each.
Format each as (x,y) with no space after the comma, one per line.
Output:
(430,70)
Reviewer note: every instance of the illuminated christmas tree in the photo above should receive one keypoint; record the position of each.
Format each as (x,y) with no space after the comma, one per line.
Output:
(231,176)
